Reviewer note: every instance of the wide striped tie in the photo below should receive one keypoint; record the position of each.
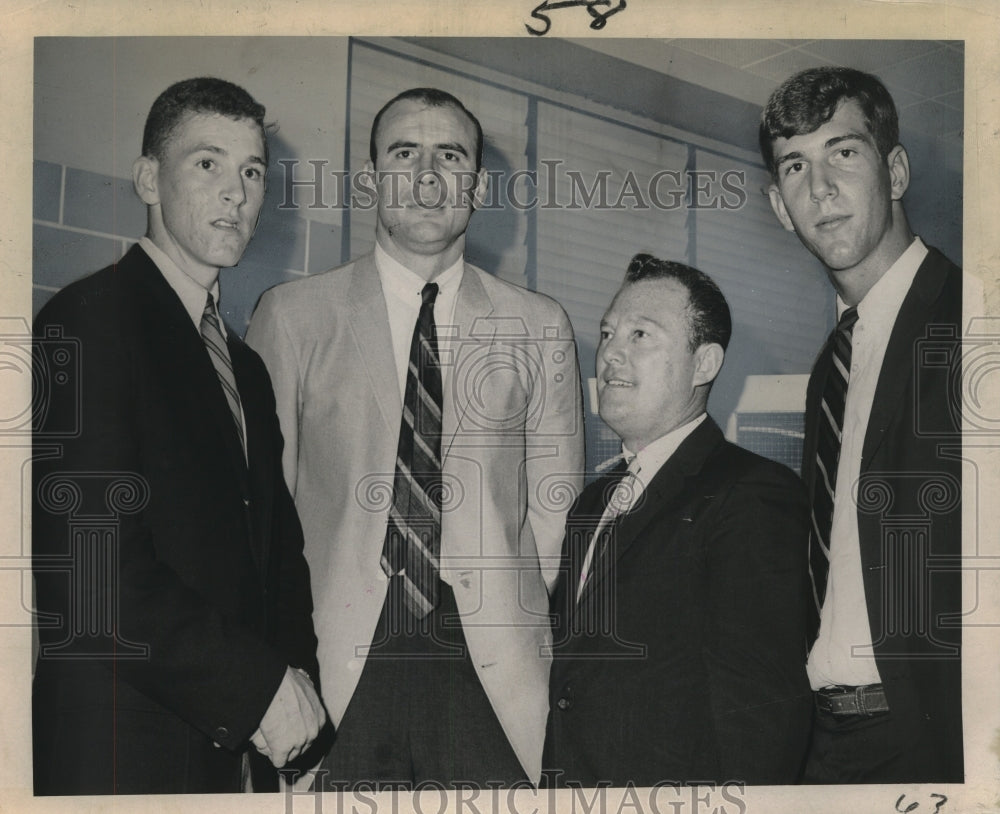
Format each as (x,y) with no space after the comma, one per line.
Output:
(413,539)
(211,333)
(831,423)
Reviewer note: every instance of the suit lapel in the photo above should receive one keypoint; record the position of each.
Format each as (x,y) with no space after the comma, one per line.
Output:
(663,494)
(913,316)
(258,467)
(471,334)
(180,355)
(179,359)
(370,326)
(582,524)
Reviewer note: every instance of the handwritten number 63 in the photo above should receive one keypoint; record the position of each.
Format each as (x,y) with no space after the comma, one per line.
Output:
(941,800)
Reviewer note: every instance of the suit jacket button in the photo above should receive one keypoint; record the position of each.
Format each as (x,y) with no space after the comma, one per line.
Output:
(221,733)
(564,703)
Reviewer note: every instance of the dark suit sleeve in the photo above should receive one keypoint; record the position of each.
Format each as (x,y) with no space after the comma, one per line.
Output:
(759,695)
(170,643)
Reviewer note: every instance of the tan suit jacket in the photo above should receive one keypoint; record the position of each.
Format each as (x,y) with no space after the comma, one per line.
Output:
(512,462)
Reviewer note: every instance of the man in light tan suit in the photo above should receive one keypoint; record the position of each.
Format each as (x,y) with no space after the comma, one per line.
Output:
(459,695)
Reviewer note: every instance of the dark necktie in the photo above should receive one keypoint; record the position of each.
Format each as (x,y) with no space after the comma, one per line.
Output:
(211,333)
(831,424)
(413,539)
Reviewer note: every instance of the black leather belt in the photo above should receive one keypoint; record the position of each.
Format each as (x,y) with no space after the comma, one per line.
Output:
(866,700)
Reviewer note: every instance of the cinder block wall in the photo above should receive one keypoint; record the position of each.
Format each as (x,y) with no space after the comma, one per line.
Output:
(84,221)
(92,95)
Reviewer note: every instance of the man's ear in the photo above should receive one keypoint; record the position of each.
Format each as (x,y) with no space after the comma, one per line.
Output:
(899,171)
(708,360)
(482,187)
(145,179)
(778,205)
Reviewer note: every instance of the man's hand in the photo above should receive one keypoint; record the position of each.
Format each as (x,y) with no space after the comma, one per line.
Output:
(292,721)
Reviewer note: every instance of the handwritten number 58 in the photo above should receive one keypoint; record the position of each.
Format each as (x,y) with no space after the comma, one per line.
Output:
(599,21)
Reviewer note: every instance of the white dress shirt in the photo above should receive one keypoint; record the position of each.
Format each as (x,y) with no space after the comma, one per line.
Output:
(842,653)
(192,293)
(401,289)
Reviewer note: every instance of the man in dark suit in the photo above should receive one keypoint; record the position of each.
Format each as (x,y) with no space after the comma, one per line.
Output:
(173,597)
(881,457)
(680,609)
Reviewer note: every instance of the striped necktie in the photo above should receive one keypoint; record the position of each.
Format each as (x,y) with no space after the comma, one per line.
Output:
(413,538)
(622,499)
(831,423)
(211,333)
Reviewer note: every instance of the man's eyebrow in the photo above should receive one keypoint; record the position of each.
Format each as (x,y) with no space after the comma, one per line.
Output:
(396,145)
(795,155)
(208,147)
(454,146)
(213,148)
(637,320)
(833,142)
(641,319)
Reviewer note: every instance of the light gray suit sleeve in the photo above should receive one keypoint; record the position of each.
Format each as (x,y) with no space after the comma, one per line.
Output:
(555,475)
(268,335)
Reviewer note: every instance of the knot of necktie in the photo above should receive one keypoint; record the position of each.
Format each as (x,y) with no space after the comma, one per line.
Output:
(626,491)
(846,322)
(428,294)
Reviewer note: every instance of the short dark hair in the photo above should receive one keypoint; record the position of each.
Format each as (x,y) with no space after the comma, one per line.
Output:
(809,99)
(205,94)
(432,97)
(709,318)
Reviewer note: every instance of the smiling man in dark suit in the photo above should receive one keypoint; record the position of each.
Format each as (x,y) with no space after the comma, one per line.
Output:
(175,613)
(885,487)
(680,609)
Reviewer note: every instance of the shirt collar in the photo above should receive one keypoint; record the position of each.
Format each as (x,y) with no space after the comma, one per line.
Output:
(191,293)
(401,281)
(886,296)
(647,461)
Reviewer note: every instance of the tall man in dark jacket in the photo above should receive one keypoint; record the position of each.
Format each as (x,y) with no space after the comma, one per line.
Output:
(882,451)
(173,597)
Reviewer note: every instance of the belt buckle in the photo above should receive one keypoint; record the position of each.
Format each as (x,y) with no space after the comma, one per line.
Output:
(826,701)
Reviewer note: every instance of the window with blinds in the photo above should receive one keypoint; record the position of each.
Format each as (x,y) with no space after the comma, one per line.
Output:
(778,293)
(575,193)
(606,192)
